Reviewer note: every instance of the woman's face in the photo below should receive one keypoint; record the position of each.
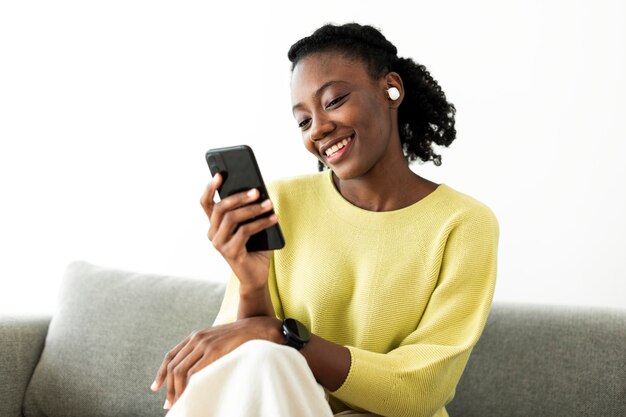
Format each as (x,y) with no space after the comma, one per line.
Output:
(345,116)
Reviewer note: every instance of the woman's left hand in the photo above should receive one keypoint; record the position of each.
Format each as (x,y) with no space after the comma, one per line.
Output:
(204,347)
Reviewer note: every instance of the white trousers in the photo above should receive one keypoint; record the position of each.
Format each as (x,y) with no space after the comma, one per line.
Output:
(260,379)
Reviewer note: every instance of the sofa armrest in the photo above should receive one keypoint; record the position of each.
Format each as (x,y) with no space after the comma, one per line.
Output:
(21,342)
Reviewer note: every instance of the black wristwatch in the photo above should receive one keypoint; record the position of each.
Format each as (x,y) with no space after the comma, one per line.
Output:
(296,333)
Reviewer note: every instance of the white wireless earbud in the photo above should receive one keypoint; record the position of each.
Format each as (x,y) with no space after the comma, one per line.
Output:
(393,93)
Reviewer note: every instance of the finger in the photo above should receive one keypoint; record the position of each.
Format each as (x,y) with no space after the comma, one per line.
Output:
(234,219)
(237,200)
(193,340)
(162,372)
(200,365)
(227,205)
(245,231)
(170,390)
(217,348)
(257,226)
(236,230)
(207,201)
(181,377)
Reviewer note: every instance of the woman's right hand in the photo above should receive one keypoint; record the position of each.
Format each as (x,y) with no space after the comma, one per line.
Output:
(229,236)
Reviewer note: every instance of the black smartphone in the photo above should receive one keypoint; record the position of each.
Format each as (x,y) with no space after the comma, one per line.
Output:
(240,172)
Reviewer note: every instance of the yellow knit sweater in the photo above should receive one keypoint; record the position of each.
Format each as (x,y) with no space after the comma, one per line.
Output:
(407,291)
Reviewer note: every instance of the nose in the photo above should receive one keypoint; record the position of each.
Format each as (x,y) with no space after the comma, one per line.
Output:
(321,126)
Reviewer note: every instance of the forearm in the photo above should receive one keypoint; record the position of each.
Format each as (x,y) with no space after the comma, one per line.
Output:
(329,362)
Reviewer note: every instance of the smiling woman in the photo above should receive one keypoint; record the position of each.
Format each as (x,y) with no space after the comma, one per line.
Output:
(354,101)
(387,278)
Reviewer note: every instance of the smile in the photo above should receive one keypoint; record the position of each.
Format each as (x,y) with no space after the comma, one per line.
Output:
(330,152)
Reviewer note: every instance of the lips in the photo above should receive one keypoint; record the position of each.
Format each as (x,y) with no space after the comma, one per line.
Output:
(337,146)
(335,151)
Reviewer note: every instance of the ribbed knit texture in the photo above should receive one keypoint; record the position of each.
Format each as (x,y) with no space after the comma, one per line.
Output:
(407,291)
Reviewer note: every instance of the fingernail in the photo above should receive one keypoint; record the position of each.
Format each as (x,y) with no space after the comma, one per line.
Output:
(252,192)
(167,405)
(153,387)
(266,203)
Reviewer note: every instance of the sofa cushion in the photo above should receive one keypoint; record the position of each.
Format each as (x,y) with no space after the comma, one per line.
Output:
(540,360)
(108,337)
(21,343)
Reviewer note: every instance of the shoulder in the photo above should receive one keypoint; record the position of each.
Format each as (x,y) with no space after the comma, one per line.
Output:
(290,187)
(298,196)
(465,208)
(460,201)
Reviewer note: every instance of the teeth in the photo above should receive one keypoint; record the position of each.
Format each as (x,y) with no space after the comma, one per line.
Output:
(337,146)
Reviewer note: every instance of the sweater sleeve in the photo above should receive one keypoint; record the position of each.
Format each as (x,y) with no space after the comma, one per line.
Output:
(419,377)
(230,303)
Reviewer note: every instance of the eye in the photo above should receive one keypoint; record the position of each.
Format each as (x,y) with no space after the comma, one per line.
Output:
(336,101)
(304,123)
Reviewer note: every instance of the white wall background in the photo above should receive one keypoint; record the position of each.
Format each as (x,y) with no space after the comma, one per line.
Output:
(107,108)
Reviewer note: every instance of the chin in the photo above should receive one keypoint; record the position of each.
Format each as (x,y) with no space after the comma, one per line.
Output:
(346,173)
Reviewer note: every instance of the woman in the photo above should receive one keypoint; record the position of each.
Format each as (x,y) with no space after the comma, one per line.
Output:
(392,274)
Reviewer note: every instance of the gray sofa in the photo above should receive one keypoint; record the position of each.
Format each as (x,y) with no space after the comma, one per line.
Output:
(98,354)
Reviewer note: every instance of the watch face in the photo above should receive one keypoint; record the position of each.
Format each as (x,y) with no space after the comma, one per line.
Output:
(298,330)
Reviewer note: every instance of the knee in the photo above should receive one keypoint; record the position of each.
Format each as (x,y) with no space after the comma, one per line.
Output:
(266,353)
(262,348)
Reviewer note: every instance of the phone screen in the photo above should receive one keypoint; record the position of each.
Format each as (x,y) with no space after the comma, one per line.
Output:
(240,172)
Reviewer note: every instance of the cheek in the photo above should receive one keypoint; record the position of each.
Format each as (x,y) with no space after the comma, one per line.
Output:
(370,116)
(309,145)
(380,122)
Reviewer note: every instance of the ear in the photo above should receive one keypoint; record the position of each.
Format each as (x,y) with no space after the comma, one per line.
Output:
(393,79)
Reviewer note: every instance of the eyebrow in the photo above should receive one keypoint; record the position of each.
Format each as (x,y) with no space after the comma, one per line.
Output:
(318,91)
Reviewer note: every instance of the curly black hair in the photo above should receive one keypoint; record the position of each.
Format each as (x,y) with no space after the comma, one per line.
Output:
(425,117)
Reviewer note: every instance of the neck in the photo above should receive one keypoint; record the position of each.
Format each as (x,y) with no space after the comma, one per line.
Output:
(385,191)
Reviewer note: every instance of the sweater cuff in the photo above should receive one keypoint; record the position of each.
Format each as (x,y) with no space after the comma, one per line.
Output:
(359,378)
